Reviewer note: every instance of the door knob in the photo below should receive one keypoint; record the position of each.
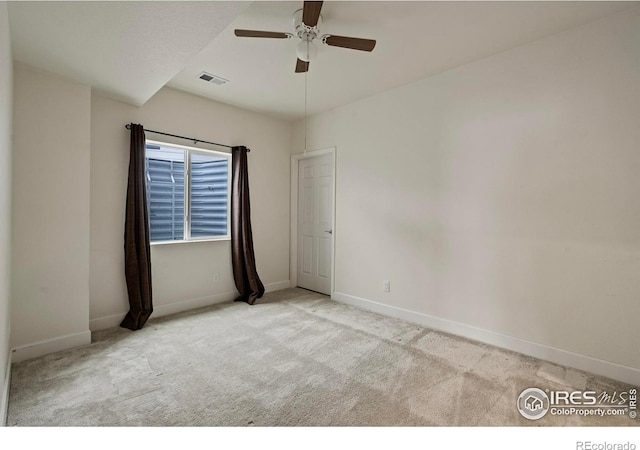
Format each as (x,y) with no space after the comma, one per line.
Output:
(328,231)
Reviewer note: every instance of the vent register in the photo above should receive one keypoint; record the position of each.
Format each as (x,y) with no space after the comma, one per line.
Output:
(210,78)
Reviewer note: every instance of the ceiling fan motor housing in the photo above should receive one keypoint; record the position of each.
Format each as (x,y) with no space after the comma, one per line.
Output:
(303,31)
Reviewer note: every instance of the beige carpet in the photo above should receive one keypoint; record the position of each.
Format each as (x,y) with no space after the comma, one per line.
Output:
(296,358)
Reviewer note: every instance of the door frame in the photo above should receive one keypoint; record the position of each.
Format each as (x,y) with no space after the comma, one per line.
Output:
(293,244)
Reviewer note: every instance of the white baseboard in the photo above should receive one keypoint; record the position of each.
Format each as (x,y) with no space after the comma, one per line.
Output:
(555,355)
(102,323)
(277,286)
(194,303)
(51,346)
(4,394)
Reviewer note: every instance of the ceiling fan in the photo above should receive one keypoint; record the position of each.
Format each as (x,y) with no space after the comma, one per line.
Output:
(306,25)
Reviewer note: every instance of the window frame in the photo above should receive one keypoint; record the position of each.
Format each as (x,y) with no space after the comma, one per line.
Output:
(187,192)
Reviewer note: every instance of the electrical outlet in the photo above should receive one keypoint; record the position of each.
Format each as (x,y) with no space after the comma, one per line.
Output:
(386,286)
(216,277)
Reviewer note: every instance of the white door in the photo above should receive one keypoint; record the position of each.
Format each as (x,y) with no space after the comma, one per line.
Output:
(315,223)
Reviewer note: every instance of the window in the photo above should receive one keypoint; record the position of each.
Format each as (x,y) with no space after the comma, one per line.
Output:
(187,193)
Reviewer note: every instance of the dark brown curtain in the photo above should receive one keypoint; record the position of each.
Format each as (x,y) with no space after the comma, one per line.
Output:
(137,257)
(242,257)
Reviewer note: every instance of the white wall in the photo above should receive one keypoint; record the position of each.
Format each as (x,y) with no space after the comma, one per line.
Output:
(6,95)
(50,277)
(183,273)
(503,194)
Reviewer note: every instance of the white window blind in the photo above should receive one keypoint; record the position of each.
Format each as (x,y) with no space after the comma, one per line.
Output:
(187,204)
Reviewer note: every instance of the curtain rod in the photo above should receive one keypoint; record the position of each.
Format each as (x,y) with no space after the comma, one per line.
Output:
(194,140)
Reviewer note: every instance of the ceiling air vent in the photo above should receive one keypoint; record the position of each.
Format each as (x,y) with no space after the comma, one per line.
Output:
(212,79)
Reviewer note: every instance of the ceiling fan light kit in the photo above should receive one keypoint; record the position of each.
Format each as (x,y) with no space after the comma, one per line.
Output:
(306,50)
(306,25)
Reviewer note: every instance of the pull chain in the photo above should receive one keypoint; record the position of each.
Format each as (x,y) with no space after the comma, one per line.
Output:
(305,101)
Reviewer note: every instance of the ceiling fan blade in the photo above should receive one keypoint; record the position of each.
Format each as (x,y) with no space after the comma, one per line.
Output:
(311,13)
(365,45)
(262,34)
(302,66)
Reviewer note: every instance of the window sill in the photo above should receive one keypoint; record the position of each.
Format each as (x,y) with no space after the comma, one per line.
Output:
(153,244)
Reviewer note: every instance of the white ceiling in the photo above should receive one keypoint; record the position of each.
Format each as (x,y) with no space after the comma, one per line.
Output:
(127,49)
(131,49)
